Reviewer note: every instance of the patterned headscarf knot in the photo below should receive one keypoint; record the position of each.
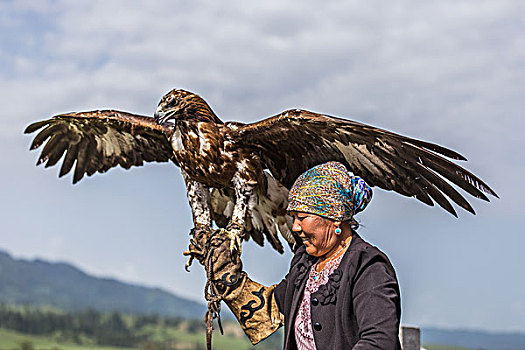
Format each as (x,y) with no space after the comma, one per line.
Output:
(329,190)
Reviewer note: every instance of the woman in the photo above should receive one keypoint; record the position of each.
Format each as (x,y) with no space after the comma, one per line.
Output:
(340,292)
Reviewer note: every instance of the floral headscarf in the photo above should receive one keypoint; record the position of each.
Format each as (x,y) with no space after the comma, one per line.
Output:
(331,191)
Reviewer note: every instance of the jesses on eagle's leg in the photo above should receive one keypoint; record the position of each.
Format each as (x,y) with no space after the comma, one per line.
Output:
(199,199)
(243,193)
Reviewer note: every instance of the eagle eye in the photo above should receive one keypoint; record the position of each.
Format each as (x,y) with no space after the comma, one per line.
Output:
(173,103)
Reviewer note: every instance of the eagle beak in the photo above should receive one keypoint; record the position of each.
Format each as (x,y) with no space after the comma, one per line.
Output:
(158,117)
(161,117)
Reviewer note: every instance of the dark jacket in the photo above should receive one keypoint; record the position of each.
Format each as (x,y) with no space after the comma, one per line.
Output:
(358,308)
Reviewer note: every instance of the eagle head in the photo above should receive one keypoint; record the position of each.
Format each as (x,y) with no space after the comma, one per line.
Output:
(180,104)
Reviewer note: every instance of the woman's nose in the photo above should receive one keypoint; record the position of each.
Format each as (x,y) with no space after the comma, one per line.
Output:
(296,227)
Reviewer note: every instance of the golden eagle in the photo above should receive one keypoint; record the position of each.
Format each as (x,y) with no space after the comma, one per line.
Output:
(238,175)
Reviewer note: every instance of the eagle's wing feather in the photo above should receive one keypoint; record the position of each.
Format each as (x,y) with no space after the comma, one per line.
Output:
(97,141)
(296,140)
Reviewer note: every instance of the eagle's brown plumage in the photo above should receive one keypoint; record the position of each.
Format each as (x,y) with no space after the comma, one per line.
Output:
(224,163)
(97,141)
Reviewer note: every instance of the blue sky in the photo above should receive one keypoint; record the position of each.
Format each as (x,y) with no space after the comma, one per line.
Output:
(450,72)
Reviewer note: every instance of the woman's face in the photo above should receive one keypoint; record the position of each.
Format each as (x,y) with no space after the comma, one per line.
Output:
(316,232)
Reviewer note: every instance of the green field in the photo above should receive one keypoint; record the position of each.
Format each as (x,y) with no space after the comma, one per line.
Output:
(443,347)
(170,339)
(13,340)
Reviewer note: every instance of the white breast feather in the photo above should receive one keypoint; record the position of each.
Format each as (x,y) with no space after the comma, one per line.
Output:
(204,144)
(177,141)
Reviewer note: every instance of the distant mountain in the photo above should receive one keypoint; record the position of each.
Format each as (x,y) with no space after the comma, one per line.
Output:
(474,339)
(64,286)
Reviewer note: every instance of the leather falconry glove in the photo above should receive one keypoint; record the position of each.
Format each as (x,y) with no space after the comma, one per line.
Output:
(226,265)
(253,304)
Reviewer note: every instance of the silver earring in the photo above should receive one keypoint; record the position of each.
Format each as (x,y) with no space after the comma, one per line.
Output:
(337,231)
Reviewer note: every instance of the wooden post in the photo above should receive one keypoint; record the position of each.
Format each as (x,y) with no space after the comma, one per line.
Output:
(409,337)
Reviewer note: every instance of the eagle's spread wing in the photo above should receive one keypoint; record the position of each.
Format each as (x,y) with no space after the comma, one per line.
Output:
(100,140)
(295,140)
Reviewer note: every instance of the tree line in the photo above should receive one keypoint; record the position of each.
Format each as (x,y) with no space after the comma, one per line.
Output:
(109,329)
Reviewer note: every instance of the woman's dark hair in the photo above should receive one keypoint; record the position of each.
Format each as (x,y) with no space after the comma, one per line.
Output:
(354,225)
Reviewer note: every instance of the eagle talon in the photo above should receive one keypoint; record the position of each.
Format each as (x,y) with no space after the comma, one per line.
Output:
(197,247)
(235,244)
(188,263)
(236,234)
